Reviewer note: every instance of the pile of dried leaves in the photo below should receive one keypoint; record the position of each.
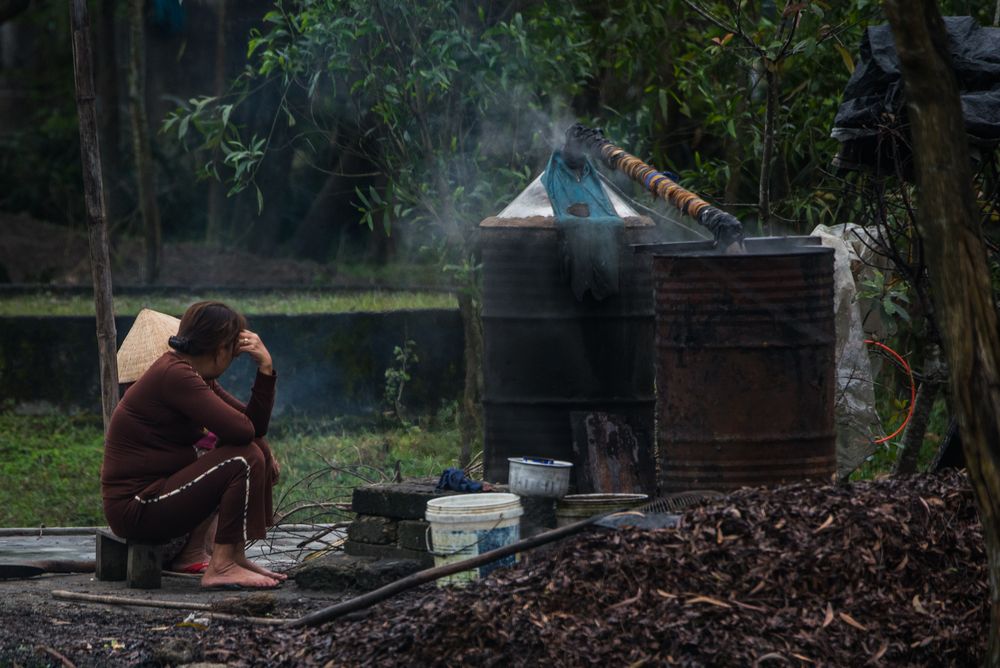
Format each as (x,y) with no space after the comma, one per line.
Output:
(891,571)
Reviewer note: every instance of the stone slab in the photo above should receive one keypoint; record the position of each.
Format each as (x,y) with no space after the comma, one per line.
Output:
(403,500)
(343,572)
(425,559)
(373,529)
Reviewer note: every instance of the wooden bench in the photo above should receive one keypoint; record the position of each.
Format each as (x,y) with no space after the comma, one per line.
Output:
(139,564)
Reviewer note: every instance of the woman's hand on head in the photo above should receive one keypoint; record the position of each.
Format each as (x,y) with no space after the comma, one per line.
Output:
(251,344)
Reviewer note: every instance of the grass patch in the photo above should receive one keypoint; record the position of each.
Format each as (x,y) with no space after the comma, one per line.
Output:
(270,303)
(50,466)
(323,462)
(51,463)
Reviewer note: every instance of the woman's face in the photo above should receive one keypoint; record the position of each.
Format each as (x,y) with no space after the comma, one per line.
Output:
(224,356)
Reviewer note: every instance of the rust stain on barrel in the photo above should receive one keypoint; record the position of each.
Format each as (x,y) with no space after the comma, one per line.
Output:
(745,368)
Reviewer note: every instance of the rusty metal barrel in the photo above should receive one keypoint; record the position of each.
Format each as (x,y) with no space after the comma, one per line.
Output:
(745,365)
(549,358)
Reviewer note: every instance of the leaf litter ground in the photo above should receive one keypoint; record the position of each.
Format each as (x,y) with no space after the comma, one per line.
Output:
(891,572)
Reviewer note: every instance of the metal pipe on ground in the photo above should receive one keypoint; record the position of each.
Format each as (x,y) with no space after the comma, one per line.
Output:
(431,574)
(671,502)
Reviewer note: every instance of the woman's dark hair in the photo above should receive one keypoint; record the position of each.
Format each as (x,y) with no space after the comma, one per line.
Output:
(207,326)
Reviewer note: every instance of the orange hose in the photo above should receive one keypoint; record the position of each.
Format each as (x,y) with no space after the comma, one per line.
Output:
(913,387)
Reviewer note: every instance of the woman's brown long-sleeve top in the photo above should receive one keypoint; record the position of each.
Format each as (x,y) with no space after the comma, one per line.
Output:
(157,422)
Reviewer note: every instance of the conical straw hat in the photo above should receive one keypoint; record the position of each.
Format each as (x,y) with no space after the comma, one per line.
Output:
(146,341)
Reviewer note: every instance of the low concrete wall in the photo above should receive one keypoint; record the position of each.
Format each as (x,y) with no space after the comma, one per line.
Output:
(327,364)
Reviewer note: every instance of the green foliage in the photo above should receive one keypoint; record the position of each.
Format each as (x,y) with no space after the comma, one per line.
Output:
(881,463)
(721,85)
(450,100)
(891,297)
(397,376)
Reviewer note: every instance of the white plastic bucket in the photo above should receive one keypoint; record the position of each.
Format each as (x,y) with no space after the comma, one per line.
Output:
(534,476)
(576,507)
(467,525)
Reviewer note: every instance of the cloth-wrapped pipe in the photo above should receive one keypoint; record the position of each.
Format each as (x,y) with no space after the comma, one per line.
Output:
(724,226)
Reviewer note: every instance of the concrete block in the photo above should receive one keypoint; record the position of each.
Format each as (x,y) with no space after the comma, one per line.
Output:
(403,501)
(413,534)
(425,559)
(372,529)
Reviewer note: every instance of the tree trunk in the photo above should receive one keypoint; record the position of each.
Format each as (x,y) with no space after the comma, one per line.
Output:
(767,148)
(140,141)
(110,120)
(93,190)
(470,417)
(927,394)
(215,233)
(948,221)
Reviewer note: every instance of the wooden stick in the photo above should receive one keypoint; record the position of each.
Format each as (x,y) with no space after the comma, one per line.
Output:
(431,574)
(154,603)
(96,209)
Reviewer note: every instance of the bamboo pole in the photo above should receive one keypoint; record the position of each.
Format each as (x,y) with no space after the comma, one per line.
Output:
(726,228)
(93,190)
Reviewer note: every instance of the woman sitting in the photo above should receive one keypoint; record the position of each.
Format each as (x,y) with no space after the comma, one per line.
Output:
(156,486)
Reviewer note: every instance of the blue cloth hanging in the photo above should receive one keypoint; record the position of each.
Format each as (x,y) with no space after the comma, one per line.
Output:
(590,231)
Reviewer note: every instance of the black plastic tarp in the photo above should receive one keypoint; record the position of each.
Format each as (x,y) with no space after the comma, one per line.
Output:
(873,98)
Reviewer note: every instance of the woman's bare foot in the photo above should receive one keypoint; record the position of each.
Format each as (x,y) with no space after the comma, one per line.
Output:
(257,568)
(234,574)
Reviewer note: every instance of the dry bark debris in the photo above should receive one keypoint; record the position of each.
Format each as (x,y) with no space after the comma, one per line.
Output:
(889,572)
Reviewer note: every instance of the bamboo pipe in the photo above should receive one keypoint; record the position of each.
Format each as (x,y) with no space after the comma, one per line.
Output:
(726,228)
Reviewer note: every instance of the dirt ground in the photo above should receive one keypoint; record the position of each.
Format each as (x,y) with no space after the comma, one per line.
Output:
(32,251)
(36,629)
